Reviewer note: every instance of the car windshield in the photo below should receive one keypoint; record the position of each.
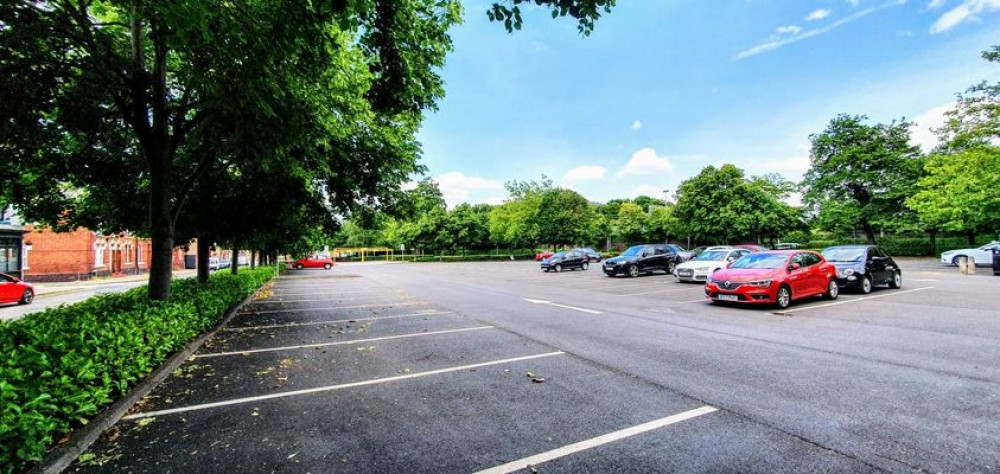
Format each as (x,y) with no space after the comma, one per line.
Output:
(713,255)
(844,255)
(761,260)
(633,251)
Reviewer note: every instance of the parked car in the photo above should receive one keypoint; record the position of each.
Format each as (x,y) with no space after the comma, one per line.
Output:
(774,277)
(709,262)
(592,255)
(543,255)
(568,260)
(862,267)
(313,261)
(753,247)
(787,246)
(684,255)
(213,263)
(13,290)
(642,259)
(982,255)
(699,249)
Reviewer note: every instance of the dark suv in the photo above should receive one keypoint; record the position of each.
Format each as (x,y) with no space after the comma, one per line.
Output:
(643,259)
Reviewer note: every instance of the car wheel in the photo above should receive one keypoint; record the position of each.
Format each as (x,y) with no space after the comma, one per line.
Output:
(671,267)
(784,297)
(633,271)
(27,297)
(298,266)
(832,290)
(327,266)
(585,266)
(558,268)
(866,285)
(955,259)
(897,281)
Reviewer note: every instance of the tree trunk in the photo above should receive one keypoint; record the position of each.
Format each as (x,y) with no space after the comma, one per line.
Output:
(972,238)
(161,225)
(932,235)
(234,262)
(204,254)
(253,259)
(869,231)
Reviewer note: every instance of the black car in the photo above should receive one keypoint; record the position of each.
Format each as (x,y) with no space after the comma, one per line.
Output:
(591,254)
(643,259)
(861,267)
(567,260)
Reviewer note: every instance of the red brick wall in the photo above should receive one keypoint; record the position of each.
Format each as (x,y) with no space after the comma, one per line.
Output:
(68,256)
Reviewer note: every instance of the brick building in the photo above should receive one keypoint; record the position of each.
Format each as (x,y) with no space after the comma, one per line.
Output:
(83,254)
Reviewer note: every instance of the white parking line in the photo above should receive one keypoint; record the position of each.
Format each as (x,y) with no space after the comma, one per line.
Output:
(855,300)
(598,441)
(338,321)
(338,343)
(574,308)
(279,301)
(652,292)
(335,387)
(623,284)
(270,311)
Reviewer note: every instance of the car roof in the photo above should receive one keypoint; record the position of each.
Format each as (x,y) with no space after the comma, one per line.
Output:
(852,246)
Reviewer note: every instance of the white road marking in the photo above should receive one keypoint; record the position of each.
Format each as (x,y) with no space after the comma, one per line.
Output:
(855,300)
(338,321)
(692,301)
(269,311)
(574,308)
(338,343)
(329,388)
(273,299)
(598,441)
(668,290)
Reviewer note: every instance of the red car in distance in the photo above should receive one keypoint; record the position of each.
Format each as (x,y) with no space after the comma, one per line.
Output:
(313,261)
(753,247)
(543,255)
(774,277)
(13,290)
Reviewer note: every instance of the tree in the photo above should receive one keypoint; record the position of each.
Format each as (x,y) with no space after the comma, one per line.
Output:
(630,225)
(662,224)
(975,121)
(564,217)
(961,191)
(586,12)
(870,168)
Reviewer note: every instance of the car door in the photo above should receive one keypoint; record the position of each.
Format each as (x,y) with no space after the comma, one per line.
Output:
(7,288)
(663,256)
(984,254)
(817,279)
(799,279)
(879,262)
(573,259)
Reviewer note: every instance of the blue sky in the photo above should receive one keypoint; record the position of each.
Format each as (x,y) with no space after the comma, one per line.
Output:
(664,88)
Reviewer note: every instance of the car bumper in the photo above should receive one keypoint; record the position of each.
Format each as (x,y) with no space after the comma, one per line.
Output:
(612,270)
(692,276)
(850,282)
(749,295)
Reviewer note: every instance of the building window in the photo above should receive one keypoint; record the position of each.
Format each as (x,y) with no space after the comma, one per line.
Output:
(128,254)
(99,255)
(24,256)
(142,255)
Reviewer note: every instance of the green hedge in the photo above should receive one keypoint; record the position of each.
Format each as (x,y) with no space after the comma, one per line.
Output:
(61,366)
(908,246)
(471,258)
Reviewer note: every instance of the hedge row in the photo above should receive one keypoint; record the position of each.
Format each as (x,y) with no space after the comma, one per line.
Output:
(908,246)
(59,367)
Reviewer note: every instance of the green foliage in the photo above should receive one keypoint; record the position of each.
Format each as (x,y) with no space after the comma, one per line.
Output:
(975,121)
(60,367)
(564,217)
(960,192)
(630,224)
(867,170)
(586,12)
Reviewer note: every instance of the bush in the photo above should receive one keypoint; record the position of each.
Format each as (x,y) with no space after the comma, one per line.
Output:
(898,246)
(59,367)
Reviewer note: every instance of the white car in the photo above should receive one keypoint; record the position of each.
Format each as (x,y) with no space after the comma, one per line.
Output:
(983,255)
(709,262)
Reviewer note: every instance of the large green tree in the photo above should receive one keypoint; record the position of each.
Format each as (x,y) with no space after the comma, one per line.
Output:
(564,217)
(630,225)
(961,192)
(975,121)
(868,168)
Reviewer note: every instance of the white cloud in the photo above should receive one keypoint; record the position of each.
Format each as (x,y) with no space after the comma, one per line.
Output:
(456,186)
(636,125)
(585,172)
(922,133)
(788,30)
(819,14)
(963,12)
(935,4)
(853,3)
(645,161)
(775,43)
(493,200)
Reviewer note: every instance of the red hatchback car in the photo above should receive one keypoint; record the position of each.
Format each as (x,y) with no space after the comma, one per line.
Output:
(774,277)
(13,290)
(313,261)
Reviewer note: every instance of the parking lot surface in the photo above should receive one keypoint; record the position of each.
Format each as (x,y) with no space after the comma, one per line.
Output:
(498,367)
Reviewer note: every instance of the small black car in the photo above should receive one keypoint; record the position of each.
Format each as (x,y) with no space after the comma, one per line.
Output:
(569,259)
(643,259)
(862,267)
(591,254)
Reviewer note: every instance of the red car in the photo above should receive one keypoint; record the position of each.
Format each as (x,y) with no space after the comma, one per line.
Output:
(775,277)
(13,290)
(753,247)
(543,255)
(313,261)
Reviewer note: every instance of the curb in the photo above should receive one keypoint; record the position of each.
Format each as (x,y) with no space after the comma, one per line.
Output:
(62,457)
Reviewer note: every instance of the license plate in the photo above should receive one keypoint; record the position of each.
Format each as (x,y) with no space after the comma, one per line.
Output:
(728,297)
(686,273)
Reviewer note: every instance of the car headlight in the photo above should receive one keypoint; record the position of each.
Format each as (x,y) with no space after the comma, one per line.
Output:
(759,283)
(847,272)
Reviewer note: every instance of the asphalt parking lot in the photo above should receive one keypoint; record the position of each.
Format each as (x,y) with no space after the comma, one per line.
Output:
(498,367)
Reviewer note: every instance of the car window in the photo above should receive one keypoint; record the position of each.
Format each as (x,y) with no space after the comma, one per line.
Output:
(6,279)
(810,259)
(758,260)
(633,251)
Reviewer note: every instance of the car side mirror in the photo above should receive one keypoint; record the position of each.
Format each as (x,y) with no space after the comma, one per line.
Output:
(794,266)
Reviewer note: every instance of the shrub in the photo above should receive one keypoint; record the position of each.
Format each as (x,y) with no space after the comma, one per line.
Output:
(61,366)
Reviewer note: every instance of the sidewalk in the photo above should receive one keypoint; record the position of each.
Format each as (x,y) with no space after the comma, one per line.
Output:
(48,288)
